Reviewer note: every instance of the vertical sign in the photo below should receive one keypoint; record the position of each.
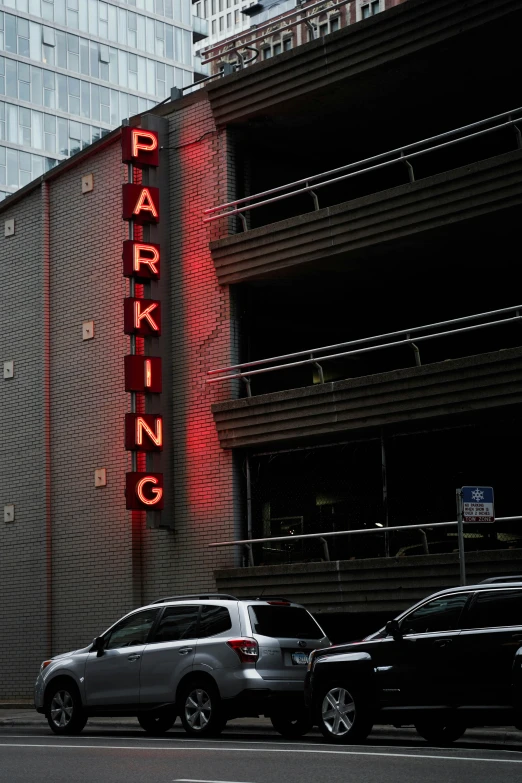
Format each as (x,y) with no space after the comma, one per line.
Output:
(142,318)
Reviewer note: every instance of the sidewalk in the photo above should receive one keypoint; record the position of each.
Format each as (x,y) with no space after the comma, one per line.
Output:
(23,714)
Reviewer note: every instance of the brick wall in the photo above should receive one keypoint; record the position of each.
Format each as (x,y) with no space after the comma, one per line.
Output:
(23,596)
(92,568)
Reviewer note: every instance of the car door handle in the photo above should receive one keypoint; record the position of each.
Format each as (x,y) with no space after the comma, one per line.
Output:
(133,657)
(185,650)
(442,642)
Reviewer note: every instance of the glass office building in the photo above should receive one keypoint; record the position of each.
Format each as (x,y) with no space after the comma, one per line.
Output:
(71,70)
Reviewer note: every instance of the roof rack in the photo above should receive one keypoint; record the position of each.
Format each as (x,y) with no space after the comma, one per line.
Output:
(271,598)
(198,596)
(500,579)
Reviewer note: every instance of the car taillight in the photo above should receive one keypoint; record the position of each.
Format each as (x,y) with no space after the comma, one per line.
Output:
(246,649)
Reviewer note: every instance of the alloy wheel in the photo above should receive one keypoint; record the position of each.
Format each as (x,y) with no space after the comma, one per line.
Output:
(338,711)
(62,708)
(198,709)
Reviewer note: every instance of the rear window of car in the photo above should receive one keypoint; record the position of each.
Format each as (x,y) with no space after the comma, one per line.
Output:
(495,609)
(284,622)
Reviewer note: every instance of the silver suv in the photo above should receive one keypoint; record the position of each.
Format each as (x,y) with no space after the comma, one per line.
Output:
(207,658)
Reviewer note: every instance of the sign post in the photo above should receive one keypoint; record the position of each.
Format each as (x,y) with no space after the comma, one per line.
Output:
(460,533)
(474,504)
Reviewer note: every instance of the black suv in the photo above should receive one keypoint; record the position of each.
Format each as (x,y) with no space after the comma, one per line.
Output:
(452,661)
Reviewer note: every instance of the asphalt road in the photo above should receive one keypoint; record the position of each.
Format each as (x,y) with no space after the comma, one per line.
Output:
(128,756)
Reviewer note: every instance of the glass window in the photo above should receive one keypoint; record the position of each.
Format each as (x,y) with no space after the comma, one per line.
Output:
(10,33)
(85,99)
(334,24)
(84,56)
(94,57)
(36,86)
(48,54)
(214,620)
(177,623)
(37,128)
(95,102)
(38,165)
(105,105)
(287,44)
(35,41)
(12,168)
(267,52)
(61,49)
(49,89)
(495,609)
(11,78)
(229,21)
(132,631)
(63,135)
(59,11)
(441,614)
(283,621)
(63,102)
(23,37)
(48,10)
(277,49)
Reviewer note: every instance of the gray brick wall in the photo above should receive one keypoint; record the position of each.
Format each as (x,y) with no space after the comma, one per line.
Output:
(92,540)
(23,603)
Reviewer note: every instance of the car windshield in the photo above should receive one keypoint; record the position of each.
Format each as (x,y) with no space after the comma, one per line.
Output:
(284,622)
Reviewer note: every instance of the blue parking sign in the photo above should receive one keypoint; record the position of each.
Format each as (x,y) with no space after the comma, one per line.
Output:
(478,504)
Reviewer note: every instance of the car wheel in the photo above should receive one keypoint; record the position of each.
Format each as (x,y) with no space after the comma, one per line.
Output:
(440,731)
(291,726)
(64,711)
(157,723)
(201,711)
(341,714)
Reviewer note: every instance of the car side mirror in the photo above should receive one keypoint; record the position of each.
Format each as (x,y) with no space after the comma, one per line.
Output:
(393,628)
(98,645)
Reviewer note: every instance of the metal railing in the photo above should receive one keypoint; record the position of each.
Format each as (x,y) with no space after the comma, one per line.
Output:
(247,543)
(401,155)
(315,356)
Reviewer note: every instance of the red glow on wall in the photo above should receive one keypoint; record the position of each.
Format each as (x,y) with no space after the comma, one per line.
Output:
(140,204)
(144,491)
(143,432)
(141,260)
(143,374)
(141,316)
(139,146)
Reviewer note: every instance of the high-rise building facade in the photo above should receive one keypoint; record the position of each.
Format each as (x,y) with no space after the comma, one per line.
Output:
(71,70)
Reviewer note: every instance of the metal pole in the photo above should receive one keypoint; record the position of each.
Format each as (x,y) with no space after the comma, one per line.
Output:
(249,497)
(460,530)
(385,497)
(249,510)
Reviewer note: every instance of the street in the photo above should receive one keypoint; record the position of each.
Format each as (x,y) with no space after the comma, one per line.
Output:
(129,756)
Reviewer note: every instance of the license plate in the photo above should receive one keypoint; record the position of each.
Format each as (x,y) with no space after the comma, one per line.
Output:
(300,658)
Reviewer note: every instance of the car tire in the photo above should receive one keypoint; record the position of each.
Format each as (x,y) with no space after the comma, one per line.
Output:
(64,712)
(157,723)
(200,709)
(342,715)
(441,731)
(291,727)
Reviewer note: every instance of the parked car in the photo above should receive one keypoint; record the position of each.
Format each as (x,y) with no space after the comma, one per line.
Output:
(452,661)
(207,658)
